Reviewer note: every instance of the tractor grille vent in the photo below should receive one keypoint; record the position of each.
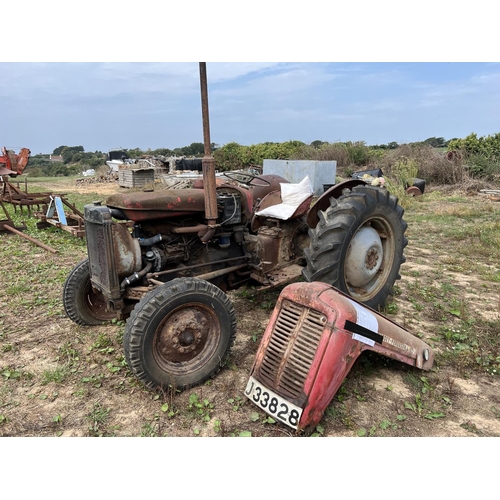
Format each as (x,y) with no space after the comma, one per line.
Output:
(291,349)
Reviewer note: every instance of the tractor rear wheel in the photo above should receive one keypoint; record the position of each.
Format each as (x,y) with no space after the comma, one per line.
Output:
(357,245)
(179,334)
(83,304)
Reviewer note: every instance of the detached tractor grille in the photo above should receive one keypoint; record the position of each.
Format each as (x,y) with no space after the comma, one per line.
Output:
(291,349)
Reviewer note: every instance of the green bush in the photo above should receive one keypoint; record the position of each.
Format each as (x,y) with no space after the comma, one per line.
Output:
(483,167)
(233,156)
(485,146)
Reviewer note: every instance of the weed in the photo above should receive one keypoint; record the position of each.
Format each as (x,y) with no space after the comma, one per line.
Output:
(254,416)
(340,412)
(200,409)
(217,426)
(257,334)
(434,415)
(319,430)
(236,402)
(471,427)
(94,380)
(150,428)
(97,417)
(390,308)
(56,375)
(362,432)
(10,373)
(416,407)
(68,353)
(103,344)
(387,424)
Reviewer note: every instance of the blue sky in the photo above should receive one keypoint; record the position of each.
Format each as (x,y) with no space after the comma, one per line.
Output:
(390,80)
(150,105)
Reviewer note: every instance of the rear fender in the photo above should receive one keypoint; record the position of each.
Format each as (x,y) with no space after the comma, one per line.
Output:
(323,202)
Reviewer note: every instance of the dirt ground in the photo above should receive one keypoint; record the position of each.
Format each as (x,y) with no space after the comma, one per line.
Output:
(60,379)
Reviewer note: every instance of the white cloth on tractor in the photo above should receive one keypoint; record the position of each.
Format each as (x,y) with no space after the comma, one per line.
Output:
(292,195)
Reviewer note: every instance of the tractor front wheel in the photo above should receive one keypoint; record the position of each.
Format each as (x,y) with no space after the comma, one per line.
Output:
(83,304)
(179,334)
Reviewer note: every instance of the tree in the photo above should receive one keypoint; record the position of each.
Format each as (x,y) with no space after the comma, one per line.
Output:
(436,142)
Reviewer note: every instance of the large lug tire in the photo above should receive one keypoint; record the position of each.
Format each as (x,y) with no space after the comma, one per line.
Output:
(357,245)
(180,334)
(83,304)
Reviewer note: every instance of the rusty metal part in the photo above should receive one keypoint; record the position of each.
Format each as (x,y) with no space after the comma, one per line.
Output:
(33,240)
(220,272)
(208,162)
(8,225)
(196,266)
(126,251)
(136,293)
(184,334)
(140,206)
(312,340)
(190,229)
(18,198)
(15,163)
(323,202)
(413,191)
(278,277)
(371,258)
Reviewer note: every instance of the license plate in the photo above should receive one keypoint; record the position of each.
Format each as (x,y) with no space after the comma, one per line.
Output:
(274,405)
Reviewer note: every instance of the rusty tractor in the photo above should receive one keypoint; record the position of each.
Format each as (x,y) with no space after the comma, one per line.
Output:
(163,260)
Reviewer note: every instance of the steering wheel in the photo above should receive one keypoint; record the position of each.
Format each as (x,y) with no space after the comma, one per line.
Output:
(247,178)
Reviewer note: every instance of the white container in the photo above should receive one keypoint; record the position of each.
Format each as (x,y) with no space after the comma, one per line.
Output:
(319,172)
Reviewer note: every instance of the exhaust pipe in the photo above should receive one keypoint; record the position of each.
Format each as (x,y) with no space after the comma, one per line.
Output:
(207,162)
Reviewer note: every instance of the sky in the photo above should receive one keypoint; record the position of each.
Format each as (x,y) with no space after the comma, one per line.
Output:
(342,77)
(103,106)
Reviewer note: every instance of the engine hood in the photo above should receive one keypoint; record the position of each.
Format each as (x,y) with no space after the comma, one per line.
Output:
(158,204)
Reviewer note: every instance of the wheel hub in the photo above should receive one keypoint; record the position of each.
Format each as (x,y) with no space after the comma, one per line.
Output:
(364,257)
(371,258)
(183,334)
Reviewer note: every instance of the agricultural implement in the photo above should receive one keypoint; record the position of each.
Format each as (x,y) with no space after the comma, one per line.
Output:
(163,260)
(55,215)
(7,224)
(12,165)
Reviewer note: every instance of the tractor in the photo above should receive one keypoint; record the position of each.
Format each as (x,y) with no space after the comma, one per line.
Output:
(163,260)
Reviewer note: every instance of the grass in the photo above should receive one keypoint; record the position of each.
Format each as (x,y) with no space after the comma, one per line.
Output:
(451,239)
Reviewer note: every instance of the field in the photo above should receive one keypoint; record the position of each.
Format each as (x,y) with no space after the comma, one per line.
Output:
(60,379)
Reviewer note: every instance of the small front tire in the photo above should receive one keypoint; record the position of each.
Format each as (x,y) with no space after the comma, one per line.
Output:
(180,334)
(84,305)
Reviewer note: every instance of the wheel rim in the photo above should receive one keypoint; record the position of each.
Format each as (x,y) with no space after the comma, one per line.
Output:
(369,259)
(186,338)
(95,304)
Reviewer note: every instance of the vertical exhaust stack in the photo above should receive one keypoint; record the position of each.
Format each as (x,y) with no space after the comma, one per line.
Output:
(208,162)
